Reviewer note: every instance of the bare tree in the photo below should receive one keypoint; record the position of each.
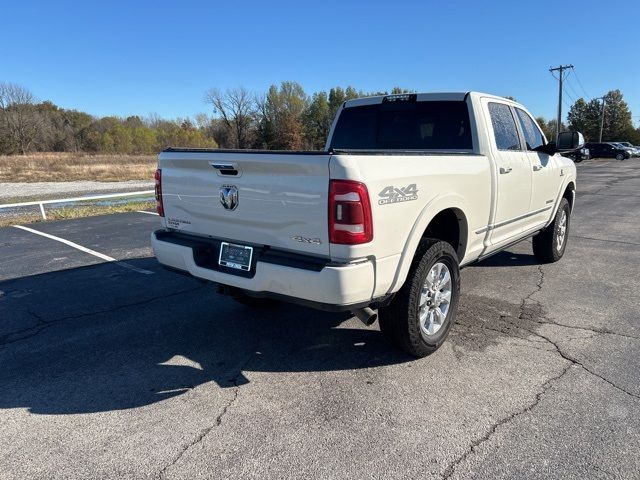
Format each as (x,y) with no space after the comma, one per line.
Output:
(202,120)
(237,110)
(21,124)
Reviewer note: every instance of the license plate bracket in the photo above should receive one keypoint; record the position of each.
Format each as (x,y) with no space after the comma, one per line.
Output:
(235,256)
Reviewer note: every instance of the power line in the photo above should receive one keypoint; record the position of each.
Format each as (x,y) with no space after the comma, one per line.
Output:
(573,100)
(569,85)
(580,83)
(577,95)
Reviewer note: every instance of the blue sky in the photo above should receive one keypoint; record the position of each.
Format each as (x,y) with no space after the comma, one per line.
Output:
(138,57)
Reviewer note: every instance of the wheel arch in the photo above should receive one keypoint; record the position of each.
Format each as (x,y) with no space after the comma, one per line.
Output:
(570,194)
(449,225)
(444,219)
(566,190)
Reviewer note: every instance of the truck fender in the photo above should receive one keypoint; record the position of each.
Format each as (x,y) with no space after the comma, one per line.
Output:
(433,207)
(563,187)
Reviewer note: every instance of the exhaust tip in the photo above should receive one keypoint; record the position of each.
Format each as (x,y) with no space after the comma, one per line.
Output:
(366,315)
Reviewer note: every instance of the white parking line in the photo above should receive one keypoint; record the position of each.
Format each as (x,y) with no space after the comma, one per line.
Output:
(102,256)
(148,213)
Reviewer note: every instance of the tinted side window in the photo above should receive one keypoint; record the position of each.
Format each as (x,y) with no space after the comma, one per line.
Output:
(410,125)
(531,132)
(504,127)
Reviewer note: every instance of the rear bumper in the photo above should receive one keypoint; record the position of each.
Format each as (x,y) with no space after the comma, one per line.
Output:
(317,283)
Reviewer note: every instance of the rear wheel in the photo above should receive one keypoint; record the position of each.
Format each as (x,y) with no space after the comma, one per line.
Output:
(422,313)
(549,245)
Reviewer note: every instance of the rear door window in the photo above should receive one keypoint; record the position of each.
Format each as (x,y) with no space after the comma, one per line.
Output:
(504,127)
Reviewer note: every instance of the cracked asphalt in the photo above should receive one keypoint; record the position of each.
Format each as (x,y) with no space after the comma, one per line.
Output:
(109,373)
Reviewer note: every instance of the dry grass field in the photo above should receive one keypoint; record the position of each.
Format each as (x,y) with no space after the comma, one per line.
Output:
(66,167)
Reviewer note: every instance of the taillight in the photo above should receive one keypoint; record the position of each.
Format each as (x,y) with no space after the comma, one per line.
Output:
(158,189)
(349,213)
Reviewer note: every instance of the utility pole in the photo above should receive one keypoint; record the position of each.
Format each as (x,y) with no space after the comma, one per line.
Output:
(560,69)
(601,117)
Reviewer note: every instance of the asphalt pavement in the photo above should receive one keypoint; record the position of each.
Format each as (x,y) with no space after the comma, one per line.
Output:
(112,367)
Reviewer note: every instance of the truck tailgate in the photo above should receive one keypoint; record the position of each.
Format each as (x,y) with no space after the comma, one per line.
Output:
(281,197)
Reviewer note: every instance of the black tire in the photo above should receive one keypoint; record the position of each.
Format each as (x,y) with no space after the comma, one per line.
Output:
(619,156)
(545,243)
(400,321)
(577,159)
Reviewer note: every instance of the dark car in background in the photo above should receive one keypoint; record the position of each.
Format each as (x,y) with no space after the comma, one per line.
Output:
(635,151)
(606,150)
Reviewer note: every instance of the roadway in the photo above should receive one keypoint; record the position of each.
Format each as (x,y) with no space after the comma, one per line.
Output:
(112,367)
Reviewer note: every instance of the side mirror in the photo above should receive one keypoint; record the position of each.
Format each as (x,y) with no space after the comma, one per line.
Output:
(568,141)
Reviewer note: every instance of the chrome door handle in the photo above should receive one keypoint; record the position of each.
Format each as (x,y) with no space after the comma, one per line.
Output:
(231,169)
(505,169)
(537,167)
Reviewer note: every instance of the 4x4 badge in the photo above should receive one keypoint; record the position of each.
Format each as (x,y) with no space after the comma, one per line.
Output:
(393,194)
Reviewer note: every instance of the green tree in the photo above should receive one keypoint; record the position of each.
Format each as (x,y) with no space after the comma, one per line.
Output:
(351,93)
(544,126)
(633,136)
(586,117)
(144,140)
(580,118)
(336,98)
(181,134)
(317,121)
(76,124)
(133,121)
(399,91)
(281,123)
(617,117)
(548,127)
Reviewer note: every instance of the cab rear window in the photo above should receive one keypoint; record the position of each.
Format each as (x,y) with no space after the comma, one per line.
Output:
(413,125)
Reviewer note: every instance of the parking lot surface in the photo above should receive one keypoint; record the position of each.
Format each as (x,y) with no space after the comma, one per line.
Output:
(119,369)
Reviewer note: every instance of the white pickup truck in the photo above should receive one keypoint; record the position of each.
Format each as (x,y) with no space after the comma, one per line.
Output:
(409,189)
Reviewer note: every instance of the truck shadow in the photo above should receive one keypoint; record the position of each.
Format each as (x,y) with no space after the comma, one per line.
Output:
(102,338)
(508,259)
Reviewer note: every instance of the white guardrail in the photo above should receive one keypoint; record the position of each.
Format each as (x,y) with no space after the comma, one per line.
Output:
(42,203)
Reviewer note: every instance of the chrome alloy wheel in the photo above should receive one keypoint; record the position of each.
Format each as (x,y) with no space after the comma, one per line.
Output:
(562,231)
(435,299)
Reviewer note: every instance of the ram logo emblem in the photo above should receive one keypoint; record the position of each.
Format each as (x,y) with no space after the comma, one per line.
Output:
(229,197)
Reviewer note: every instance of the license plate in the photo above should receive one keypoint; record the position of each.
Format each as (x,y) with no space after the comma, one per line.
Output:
(235,256)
